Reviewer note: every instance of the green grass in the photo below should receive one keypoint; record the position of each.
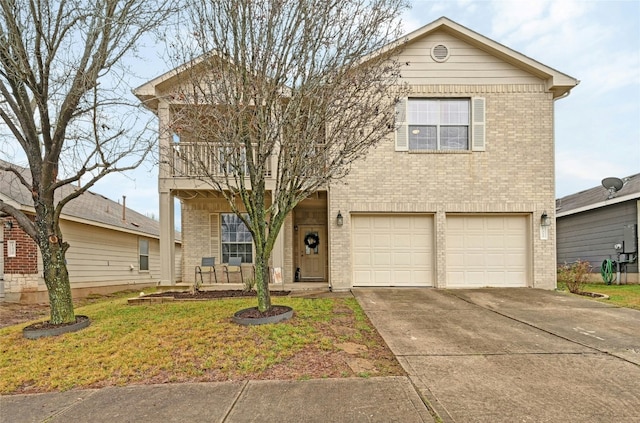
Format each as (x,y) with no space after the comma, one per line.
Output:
(620,295)
(186,341)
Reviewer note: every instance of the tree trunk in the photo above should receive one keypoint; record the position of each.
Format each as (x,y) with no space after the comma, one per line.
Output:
(262,282)
(56,276)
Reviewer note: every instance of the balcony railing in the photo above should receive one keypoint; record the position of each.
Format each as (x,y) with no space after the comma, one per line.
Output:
(199,160)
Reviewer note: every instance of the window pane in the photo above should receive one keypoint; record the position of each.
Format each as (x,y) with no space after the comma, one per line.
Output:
(454,138)
(144,246)
(423,112)
(422,137)
(454,112)
(144,262)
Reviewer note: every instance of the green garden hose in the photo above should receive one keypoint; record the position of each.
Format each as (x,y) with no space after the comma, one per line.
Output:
(606,270)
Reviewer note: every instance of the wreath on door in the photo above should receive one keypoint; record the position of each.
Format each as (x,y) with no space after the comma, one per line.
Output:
(311,240)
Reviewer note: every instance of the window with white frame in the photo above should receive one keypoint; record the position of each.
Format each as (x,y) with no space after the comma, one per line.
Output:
(143,254)
(446,124)
(438,124)
(236,238)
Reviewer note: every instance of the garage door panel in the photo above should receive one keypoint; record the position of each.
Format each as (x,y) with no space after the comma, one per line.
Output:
(514,241)
(455,241)
(402,224)
(494,251)
(401,250)
(364,223)
(362,259)
(402,241)
(514,260)
(473,260)
(496,260)
(400,259)
(495,223)
(360,276)
(381,259)
(474,241)
(378,223)
(519,225)
(381,240)
(381,277)
(362,239)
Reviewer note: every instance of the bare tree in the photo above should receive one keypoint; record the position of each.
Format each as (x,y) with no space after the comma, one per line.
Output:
(312,83)
(63,89)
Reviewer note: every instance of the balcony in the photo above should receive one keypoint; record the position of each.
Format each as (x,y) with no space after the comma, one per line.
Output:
(200,160)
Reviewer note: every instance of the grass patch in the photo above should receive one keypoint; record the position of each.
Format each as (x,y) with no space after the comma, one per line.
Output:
(190,341)
(620,295)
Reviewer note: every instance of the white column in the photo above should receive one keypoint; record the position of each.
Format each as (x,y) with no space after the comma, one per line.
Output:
(167,224)
(167,240)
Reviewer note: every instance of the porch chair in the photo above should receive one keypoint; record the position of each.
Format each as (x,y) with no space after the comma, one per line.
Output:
(234,266)
(207,265)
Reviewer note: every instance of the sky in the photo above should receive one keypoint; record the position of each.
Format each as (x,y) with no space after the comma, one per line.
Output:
(597,127)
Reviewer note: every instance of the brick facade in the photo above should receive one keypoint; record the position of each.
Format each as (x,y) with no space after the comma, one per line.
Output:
(514,175)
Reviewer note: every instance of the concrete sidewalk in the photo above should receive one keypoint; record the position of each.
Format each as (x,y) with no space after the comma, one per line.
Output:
(389,399)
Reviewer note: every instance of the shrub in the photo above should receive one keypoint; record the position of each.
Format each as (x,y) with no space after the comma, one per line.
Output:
(574,275)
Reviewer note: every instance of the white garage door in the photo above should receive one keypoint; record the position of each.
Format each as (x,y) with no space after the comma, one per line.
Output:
(392,250)
(487,251)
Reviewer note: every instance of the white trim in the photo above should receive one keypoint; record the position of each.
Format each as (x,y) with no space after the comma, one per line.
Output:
(600,204)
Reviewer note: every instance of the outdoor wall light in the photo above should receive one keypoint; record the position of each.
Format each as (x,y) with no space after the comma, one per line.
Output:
(8,224)
(339,219)
(545,220)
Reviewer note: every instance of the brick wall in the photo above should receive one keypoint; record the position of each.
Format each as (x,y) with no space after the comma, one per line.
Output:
(26,260)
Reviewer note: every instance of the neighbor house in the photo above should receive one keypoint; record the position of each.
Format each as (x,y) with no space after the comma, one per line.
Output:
(599,224)
(112,247)
(449,211)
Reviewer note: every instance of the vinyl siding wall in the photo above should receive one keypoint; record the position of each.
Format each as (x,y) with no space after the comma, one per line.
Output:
(466,64)
(103,256)
(591,235)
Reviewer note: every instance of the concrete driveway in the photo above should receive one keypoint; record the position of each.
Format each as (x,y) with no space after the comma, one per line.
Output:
(513,355)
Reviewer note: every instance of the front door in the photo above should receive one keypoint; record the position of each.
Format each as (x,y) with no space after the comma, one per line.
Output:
(311,249)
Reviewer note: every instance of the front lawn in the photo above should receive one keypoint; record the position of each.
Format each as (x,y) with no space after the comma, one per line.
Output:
(196,341)
(620,295)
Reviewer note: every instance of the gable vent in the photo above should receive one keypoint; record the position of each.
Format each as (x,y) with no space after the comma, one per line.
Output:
(440,53)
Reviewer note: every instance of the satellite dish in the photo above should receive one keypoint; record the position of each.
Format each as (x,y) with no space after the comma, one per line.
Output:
(613,184)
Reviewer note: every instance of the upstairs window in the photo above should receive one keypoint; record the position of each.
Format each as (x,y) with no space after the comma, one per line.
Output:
(441,124)
(444,124)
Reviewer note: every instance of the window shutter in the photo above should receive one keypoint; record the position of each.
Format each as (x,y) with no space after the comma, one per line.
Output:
(214,236)
(402,136)
(477,125)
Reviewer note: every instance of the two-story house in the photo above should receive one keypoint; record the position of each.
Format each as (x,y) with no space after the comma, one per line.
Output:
(460,195)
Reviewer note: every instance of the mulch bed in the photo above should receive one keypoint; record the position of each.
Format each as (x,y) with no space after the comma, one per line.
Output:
(204,295)
(253,313)
(47,325)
